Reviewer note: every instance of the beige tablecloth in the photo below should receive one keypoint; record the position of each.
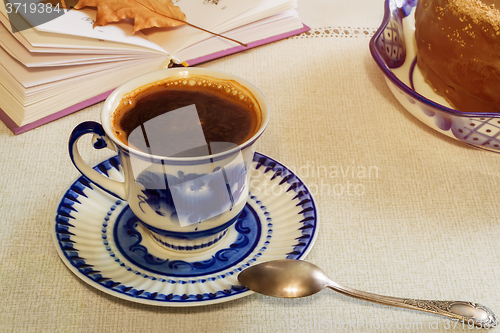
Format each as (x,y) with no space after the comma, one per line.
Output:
(421,222)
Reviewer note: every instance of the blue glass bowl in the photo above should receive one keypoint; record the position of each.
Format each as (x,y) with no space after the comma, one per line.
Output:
(393,49)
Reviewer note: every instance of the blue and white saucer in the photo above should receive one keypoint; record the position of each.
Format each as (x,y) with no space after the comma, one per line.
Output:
(100,240)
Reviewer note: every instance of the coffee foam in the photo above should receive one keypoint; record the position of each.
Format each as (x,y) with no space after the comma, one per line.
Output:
(226,88)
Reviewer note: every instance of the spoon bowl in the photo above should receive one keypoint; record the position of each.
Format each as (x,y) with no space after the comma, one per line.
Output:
(302,278)
(288,278)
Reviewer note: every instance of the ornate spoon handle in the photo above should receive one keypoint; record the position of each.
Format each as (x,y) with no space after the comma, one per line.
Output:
(467,312)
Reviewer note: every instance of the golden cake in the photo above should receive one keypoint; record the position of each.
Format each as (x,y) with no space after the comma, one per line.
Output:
(458,51)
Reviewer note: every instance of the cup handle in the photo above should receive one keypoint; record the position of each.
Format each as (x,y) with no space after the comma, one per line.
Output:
(100,140)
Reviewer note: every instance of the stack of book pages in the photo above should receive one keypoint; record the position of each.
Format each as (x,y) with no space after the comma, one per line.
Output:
(61,66)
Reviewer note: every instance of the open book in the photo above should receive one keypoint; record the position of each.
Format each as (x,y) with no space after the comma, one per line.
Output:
(64,65)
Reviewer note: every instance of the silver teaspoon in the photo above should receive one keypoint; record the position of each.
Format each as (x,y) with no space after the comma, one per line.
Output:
(296,278)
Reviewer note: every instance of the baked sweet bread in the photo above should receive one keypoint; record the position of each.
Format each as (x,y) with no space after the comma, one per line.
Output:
(458,51)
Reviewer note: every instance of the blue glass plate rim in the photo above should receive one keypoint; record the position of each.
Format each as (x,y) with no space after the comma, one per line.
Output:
(402,8)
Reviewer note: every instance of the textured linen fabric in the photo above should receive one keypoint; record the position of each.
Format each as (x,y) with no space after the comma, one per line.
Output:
(404,211)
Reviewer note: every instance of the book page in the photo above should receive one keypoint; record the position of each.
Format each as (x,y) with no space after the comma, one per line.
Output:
(262,29)
(40,41)
(80,23)
(263,10)
(31,59)
(207,14)
(33,76)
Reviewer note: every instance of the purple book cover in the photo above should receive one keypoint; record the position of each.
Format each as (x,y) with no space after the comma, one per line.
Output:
(99,98)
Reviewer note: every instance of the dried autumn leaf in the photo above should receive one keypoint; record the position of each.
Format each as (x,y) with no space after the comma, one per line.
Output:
(146,13)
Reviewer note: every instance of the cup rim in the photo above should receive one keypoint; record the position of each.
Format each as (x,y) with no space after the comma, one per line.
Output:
(131,85)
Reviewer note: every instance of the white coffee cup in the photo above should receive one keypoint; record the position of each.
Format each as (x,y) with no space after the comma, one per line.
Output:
(187,203)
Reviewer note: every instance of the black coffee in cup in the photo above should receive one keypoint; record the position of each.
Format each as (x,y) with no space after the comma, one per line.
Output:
(187,116)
